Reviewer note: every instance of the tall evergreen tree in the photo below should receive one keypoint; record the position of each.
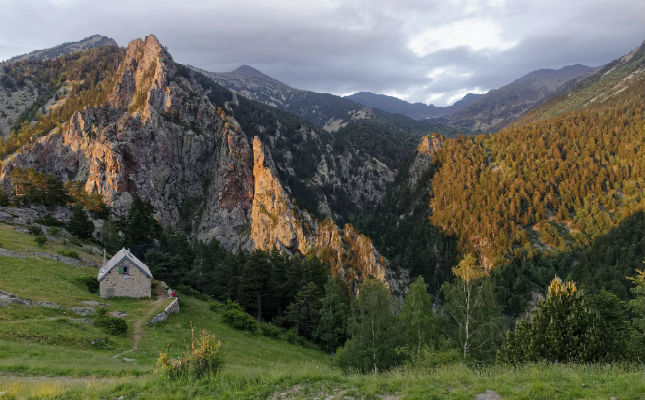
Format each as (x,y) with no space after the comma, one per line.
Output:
(418,321)
(304,313)
(331,331)
(79,224)
(255,283)
(637,305)
(110,238)
(141,229)
(373,329)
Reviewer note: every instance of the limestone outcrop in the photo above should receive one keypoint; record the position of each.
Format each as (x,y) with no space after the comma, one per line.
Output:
(159,136)
(423,157)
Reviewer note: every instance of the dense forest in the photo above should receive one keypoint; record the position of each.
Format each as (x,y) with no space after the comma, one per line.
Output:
(560,197)
(555,184)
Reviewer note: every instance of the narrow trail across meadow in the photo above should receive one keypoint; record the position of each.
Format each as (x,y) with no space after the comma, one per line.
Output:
(137,326)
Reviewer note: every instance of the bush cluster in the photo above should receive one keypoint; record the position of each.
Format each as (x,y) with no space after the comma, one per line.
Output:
(35,230)
(49,220)
(90,283)
(235,316)
(40,240)
(203,359)
(111,325)
(71,254)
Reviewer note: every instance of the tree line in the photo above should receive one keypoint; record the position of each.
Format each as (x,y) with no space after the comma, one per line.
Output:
(371,330)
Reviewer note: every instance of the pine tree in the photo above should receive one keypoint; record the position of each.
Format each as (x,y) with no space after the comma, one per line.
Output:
(418,321)
(79,225)
(255,283)
(637,305)
(334,315)
(110,238)
(304,313)
(141,228)
(564,328)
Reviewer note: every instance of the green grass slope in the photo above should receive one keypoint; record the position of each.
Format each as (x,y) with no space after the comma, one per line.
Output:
(48,353)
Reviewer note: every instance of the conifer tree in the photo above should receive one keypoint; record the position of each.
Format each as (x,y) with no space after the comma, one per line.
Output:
(141,228)
(79,225)
(304,313)
(637,342)
(331,331)
(418,321)
(564,328)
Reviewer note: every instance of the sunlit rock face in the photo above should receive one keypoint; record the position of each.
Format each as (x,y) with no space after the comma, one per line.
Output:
(160,137)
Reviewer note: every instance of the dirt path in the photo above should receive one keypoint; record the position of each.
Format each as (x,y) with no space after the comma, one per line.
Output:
(137,326)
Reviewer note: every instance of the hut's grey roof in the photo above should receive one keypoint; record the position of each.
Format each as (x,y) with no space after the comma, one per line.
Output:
(116,260)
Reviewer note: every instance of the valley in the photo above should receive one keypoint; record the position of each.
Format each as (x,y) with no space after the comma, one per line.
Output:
(320,247)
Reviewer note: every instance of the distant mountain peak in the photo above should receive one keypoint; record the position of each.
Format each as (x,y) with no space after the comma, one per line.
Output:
(247,69)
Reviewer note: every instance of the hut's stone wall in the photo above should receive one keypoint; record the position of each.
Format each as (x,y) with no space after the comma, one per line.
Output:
(133,284)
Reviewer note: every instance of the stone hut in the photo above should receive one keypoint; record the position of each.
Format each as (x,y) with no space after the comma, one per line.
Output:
(124,276)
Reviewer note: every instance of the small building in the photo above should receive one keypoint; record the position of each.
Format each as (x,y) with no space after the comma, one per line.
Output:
(124,276)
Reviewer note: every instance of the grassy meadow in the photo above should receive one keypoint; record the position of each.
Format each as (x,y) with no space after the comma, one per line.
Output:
(55,353)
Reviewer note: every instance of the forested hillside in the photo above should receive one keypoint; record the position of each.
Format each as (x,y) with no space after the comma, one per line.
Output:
(34,93)
(553,184)
(562,195)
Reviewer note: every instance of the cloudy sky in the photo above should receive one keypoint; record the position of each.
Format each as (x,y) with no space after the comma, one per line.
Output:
(431,51)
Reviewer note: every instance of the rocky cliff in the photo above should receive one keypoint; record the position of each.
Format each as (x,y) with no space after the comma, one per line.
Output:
(423,158)
(160,136)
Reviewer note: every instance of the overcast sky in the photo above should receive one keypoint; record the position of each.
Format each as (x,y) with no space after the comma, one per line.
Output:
(430,51)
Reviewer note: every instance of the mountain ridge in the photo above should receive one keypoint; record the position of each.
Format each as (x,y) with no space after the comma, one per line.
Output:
(161,135)
(485,112)
(89,42)
(621,76)
(500,107)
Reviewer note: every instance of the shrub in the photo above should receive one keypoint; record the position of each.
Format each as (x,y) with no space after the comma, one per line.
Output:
(101,343)
(90,283)
(429,358)
(4,199)
(112,326)
(69,253)
(40,240)
(292,337)
(54,230)
(75,242)
(269,330)
(193,292)
(35,230)
(215,307)
(236,317)
(49,220)
(203,359)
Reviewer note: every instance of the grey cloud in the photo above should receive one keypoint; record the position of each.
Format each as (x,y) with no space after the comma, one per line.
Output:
(341,46)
